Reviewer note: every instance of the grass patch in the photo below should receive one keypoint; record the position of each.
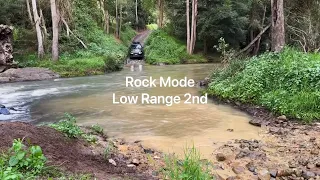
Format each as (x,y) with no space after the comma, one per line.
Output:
(287,83)
(70,129)
(191,167)
(162,48)
(78,66)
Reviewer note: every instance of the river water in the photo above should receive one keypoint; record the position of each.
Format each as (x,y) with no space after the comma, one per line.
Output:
(165,128)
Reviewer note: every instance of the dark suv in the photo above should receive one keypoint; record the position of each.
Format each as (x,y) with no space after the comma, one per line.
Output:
(136,51)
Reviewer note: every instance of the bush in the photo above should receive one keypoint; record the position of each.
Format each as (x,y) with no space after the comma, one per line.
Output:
(190,167)
(162,48)
(127,35)
(21,162)
(97,129)
(68,127)
(287,83)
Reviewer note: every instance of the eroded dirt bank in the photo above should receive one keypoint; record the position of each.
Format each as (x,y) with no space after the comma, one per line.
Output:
(127,161)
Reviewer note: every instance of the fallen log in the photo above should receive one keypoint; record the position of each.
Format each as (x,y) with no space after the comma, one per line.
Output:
(253,41)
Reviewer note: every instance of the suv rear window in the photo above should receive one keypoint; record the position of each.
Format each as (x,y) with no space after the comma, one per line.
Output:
(136,46)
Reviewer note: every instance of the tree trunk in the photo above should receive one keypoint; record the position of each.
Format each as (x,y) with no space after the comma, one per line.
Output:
(161,11)
(120,21)
(43,26)
(137,18)
(188,25)
(254,40)
(38,29)
(55,30)
(29,13)
(117,20)
(194,26)
(277,26)
(257,47)
(205,47)
(108,21)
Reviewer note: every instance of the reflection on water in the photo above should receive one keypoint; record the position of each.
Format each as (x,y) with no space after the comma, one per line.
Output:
(158,126)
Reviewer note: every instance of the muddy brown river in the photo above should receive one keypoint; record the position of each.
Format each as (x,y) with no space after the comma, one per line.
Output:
(168,129)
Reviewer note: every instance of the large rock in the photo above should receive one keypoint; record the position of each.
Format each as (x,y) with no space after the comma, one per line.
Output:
(6,49)
(27,74)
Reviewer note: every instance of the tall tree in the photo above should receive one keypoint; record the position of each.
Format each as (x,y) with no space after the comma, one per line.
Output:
(137,18)
(117,21)
(191,30)
(161,13)
(194,25)
(38,29)
(55,30)
(188,24)
(29,12)
(277,26)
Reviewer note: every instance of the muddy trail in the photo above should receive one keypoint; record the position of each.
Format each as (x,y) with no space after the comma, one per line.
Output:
(142,37)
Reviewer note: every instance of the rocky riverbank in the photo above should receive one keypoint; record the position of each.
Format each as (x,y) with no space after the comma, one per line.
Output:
(287,149)
(27,74)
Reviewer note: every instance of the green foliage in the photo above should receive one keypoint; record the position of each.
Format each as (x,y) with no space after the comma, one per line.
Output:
(152,26)
(127,35)
(21,162)
(162,48)
(71,67)
(223,48)
(97,129)
(190,167)
(109,150)
(287,83)
(68,127)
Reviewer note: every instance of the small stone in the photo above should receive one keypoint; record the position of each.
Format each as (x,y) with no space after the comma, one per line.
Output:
(311,166)
(285,172)
(318,164)
(131,165)
(148,151)
(298,172)
(221,157)
(238,169)
(251,167)
(312,139)
(256,122)
(282,149)
(273,173)
(274,130)
(156,157)
(230,130)
(283,117)
(314,152)
(264,175)
(111,161)
(308,174)
(155,173)
(135,162)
